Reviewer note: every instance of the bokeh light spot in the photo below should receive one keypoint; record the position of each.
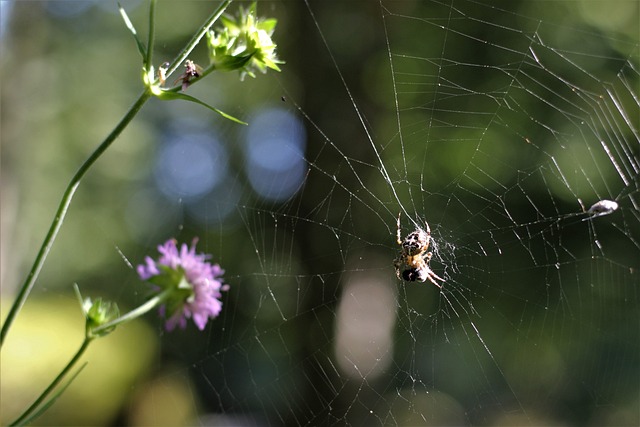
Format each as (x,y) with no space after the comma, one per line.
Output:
(190,165)
(274,154)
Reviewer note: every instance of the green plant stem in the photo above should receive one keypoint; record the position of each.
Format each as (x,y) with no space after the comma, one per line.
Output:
(197,37)
(91,334)
(27,286)
(152,34)
(54,383)
(154,302)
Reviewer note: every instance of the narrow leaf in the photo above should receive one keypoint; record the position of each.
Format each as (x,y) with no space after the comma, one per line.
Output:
(131,28)
(168,95)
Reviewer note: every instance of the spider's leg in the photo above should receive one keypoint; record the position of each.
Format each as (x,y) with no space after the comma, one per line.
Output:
(398,235)
(428,232)
(397,263)
(430,277)
(428,229)
(434,275)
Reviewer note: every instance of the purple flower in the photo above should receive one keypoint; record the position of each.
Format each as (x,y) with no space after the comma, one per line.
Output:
(194,284)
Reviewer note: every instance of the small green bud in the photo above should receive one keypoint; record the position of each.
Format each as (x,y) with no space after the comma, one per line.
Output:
(100,313)
(97,313)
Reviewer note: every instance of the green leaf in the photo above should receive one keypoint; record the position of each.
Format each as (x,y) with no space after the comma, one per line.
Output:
(229,23)
(253,8)
(268,25)
(131,28)
(269,63)
(166,95)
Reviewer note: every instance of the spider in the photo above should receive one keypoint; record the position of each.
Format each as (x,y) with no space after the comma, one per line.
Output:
(413,262)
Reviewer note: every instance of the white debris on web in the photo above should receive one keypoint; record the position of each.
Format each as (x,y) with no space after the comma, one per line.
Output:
(603,207)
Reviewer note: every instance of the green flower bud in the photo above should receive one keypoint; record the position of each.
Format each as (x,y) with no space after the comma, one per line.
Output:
(98,313)
(244,43)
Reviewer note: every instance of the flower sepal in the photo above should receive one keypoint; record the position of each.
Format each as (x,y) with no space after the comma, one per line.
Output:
(224,62)
(178,289)
(168,278)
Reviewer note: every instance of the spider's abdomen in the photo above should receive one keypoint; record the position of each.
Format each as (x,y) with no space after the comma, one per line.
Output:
(414,275)
(410,275)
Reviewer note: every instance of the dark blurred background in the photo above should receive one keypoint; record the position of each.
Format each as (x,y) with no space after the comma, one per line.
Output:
(497,123)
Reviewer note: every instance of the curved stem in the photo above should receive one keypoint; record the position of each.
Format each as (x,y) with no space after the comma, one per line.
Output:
(27,286)
(54,383)
(137,312)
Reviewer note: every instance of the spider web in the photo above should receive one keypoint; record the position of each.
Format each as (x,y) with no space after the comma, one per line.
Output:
(499,127)
(500,130)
